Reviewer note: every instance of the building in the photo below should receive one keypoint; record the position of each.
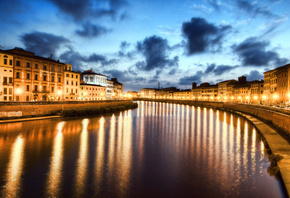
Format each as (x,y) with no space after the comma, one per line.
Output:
(90,92)
(71,84)
(36,78)
(270,87)
(6,76)
(205,92)
(110,90)
(182,94)
(225,90)
(90,77)
(118,89)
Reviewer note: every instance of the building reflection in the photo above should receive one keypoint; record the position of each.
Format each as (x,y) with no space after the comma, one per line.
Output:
(81,171)
(55,173)
(15,169)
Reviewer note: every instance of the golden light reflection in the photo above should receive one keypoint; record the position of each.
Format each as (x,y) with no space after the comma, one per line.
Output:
(125,154)
(111,148)
(15,168)
(55,173)
(100,154)
(81,171)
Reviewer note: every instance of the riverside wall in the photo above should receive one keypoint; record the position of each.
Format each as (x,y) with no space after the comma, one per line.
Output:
(18,110)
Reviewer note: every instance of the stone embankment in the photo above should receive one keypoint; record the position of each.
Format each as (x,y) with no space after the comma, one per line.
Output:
(66,109)
(273,124)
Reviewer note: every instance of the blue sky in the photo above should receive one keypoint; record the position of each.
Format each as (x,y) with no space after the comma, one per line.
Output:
(175,42)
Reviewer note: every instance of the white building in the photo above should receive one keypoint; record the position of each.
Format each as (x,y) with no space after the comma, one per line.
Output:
(110,89)
(90,77)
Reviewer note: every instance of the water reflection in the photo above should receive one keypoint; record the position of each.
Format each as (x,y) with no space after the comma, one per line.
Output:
(15,167)
(81,171)
(55,173)
(157,150)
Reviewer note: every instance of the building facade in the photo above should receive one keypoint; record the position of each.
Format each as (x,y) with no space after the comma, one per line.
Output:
(90,92)
(6,77)
(71,84)
(35,78)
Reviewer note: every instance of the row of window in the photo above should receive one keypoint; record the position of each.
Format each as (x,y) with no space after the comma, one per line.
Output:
(36,77)
(6,62)
(72,83)
(7,80)
(72,76)
(36,66)
(71,91)
(97,89)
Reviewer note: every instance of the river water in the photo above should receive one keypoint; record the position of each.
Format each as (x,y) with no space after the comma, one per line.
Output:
(156,150)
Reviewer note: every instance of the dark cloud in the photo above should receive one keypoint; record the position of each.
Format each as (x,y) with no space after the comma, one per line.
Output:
(78,61)
(91,30)
(212,69)
(155,50)
(155,78)
(254,75)
(172,72)
(43,44)
(123,50)
(252,52)
(202,36)
(84,9)
(188,80)
(125,76)
(254,9)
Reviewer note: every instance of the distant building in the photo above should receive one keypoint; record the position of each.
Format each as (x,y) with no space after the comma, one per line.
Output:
(118,89)
(110,90)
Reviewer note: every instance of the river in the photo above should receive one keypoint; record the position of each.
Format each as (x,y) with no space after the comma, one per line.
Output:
(156,150)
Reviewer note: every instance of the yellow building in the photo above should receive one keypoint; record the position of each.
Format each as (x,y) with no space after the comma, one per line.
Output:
(6,76)
(71,84)
(90,92)
(182,95)
(35,78)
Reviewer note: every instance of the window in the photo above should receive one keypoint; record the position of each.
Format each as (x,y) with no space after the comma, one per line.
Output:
(52,78)
(17,63)
(67,75)
(67,90)
(27,98)
(76,90)
(59,79)
(44,67)
(77,76)
(17,74)
(35,87)
(59,69)
(44,77)
(27,76)
(10,80)
(52,68)
(27,87)
(71,90)
(28,64)
(76,83)
(5,98)
(36,66)
(10,62)
(67,82)
(52,89)
(5,91)
(4,80)
(72,75)
(5,61)
(10,98)
(44,88)
(35,77)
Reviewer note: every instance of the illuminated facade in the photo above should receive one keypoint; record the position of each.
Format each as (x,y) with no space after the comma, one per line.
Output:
(92,92)
(71,84)
(35,78)
(182,94)
(6,77)
(225,90)
(110,89)
(90,77)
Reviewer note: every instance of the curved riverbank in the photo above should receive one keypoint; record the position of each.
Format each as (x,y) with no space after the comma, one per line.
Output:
(263,120)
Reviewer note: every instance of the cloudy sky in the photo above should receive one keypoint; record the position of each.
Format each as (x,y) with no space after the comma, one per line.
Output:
(174,42)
